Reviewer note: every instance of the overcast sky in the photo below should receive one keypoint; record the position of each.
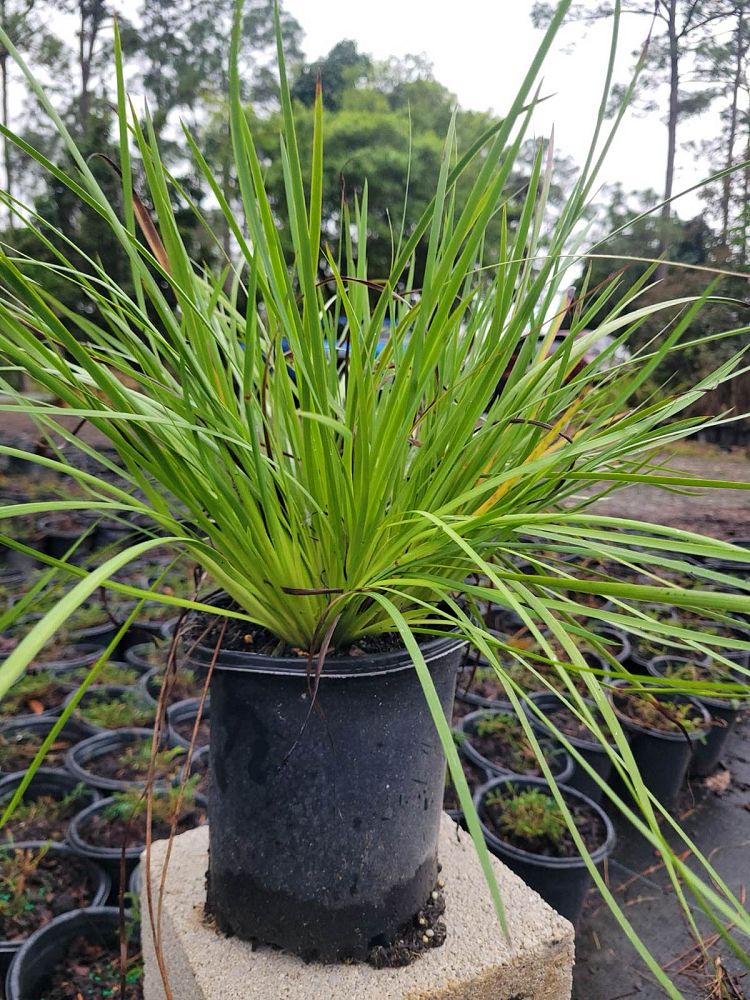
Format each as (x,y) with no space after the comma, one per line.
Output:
(480,50)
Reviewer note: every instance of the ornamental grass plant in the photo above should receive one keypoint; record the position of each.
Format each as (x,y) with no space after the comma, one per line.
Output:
(337,488)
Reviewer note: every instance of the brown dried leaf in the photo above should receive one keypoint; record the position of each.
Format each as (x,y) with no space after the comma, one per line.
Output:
(719,782)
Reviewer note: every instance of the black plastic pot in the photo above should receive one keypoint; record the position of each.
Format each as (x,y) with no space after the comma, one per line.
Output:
(62,691)
(110,858)
(81,756)
(616,642)
(111,692)
(562,882)
(30,970)
(589,747)
(137,656)
(57,540)
(40,726)
(100,885)
(561,763)
(81,654)
(724,714)
(662,757)
(46,781)
(324,824)
(728,565)
(187,711)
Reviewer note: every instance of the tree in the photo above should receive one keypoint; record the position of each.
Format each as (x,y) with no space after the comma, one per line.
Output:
(343,68)
(24,23)
(681,28)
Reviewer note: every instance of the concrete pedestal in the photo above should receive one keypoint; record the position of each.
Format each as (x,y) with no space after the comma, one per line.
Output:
(475,963)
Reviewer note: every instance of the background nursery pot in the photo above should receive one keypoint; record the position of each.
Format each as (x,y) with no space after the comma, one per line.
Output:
(324,840)
(30,970)
(724,713)
(662,756)
(561,763)
(562,882)
(98,885)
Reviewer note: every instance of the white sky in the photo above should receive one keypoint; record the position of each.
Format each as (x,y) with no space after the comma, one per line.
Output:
(480,50)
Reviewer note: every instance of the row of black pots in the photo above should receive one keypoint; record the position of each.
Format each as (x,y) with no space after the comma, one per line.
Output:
(34,963)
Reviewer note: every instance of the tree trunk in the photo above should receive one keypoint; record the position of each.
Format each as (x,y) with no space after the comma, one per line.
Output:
(7,145)
(745,196)
(674,110)
(726,193)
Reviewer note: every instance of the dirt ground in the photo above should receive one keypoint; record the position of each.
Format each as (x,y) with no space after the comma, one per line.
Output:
(721,513)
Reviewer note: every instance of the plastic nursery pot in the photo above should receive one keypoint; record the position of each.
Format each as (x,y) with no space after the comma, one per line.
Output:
(46,782)
(560,762)
(662,756)
(81,760)
(61,531)
(729,566)
(587,745)
(31,969)
(615,642)
(31,730)
(724,714)
(110,857)
(324,824)
(110,693)
(98,884)
(181,718)
(78,654)
(473,661)
(562,881)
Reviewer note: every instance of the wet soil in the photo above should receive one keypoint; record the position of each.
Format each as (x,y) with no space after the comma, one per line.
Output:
(92,971)
(52,885)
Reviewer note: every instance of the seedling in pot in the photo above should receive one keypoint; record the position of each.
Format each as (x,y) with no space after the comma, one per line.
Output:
(19,747)
(132,762)
(92,970)
(499,737)
(656,713)
(34,694)
(44,817)
(37,884)
(182,684)
(111,672)
(122,819)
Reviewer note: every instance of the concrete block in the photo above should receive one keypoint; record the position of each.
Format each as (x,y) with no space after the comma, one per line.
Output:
(475,963)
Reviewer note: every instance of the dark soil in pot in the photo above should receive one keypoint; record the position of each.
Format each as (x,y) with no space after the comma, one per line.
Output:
(181,718)
(724,711)
(182,685)
(523,826)
(116,761)
(102,830)
(40,693)
(495,740)
(358,784)
(38,882)
(578,736)
(78,955)
(21,739)
(663,734)
(110,707)
(48,805)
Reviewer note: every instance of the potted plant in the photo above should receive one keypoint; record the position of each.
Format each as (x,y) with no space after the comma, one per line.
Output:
(123,759)
(724,710)
(76,953)
(526,827)
(47,806)
(38,882)
(105,707)
(496,741)
(115,827)
(182,718)
(353,501)
(21,739)
(665,731)
(40,693)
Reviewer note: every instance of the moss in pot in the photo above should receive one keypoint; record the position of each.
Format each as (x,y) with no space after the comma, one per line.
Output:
(496,741)
(342,498)
(111,672)
(525,827)
(110,706)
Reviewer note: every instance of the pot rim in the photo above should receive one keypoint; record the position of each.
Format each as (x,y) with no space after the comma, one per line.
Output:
(636,727)
(557,752)
(336,667)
